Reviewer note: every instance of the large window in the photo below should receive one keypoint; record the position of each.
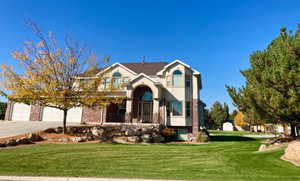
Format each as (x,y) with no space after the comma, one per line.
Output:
(106,82)
(177,108)
(147,96)
(177,78)
(116,79)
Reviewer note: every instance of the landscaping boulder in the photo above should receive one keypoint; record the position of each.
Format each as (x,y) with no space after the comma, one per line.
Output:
(2,145)
(78,139)
(59,129)
(35,137)
(157,138)
(292,152)
(129,132)
(146,138)
(50,130)
(11,142)
(122,140)
(64,140)
(24,141)
(134,139)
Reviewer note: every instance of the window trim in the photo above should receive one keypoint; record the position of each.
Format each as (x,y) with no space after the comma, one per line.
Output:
(178,73)
(108,82)
(172,108)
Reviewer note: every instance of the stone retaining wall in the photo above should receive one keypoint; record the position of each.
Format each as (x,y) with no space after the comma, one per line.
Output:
(135,133)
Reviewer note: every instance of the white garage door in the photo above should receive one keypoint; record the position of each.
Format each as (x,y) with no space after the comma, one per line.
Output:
(74,115)
(21,112)
(52,114)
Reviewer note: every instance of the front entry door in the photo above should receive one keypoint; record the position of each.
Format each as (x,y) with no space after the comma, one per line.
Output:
(145,112)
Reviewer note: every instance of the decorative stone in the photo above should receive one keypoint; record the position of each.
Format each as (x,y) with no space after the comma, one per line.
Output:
(130,132)
(95,132)
(156,138)
(292,152)
(24,141)
(146,138)
(134,139)
(78,139)
(35,137)
(11,142)
(59,130)
(262,147)
(122,140)
(64,140)
(50,130)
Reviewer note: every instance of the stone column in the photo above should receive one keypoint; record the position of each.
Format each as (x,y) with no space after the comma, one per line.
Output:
(155,110)
(35,113)
(128,110)
(195,123)
(9,110)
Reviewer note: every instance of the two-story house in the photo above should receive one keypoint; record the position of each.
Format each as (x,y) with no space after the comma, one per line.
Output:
(155,93)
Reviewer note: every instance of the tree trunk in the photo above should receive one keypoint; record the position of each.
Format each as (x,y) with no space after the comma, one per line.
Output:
(293,130)
(65,122)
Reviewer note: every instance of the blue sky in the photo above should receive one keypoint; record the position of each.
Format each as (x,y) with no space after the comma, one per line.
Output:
(215,37)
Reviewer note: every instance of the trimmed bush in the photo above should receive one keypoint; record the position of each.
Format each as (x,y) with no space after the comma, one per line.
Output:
(203,136)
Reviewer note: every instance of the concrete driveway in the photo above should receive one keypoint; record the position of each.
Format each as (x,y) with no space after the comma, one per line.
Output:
(14,128)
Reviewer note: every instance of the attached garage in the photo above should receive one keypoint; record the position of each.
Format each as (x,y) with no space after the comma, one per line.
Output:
(21,112)
(74,115)
(52,114)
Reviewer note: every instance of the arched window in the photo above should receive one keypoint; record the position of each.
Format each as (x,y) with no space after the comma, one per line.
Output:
(147,96)
(117,74)
(177,78)
(116,79)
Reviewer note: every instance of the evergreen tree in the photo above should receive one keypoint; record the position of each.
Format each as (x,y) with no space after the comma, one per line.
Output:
(272,90)
(219,114)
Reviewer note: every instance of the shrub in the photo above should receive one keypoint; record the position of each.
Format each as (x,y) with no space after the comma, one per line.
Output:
(203,136)
(169,134)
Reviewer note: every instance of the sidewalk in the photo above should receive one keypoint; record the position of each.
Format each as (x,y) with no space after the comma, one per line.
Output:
(17,178)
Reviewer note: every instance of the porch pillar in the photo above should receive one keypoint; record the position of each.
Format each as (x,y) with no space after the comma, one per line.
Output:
(155,110)
(128,110)
(195,123)
(9,110)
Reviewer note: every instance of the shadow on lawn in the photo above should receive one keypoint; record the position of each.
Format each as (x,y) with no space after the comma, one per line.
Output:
(231,138)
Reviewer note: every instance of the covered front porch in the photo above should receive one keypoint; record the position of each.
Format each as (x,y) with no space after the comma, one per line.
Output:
(143,96)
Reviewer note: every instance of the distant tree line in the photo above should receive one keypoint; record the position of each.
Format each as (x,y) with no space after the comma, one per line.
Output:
(217,115)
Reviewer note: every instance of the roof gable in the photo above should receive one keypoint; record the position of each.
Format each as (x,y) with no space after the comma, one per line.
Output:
(195,72)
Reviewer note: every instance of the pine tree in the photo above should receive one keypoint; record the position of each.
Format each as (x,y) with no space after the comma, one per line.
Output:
(272,90)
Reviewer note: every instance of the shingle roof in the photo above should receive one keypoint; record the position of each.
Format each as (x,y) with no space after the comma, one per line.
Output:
(148,68)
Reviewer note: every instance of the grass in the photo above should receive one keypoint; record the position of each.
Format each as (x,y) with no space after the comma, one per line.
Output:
(228,157)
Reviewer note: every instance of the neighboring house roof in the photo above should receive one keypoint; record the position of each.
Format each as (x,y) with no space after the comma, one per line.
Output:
(148,68)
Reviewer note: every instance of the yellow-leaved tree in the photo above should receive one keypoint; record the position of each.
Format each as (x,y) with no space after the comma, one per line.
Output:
(239,119)
(52,75)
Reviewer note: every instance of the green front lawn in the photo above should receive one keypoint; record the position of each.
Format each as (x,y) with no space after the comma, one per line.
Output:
(229,157)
